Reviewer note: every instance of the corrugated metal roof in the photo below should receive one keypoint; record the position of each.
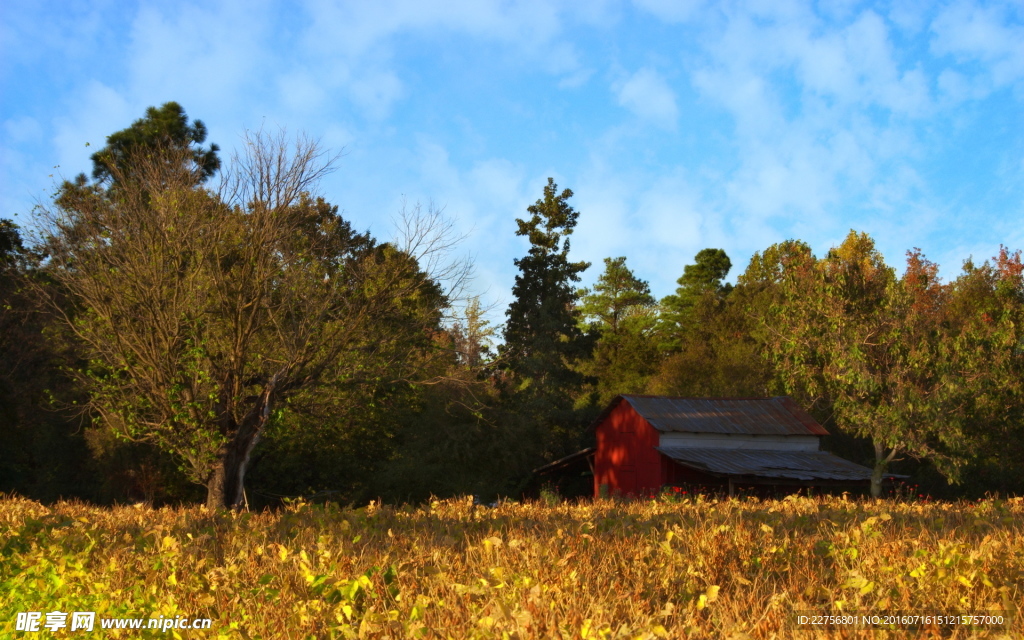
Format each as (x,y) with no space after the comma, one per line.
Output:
(799,465)
(572,457)
(752,416)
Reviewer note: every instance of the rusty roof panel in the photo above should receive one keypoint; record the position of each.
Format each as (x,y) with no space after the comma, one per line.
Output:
(569,459)
(800,465)
(753,416)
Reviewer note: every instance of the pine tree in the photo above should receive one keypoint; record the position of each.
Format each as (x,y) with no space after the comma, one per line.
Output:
(700,281)
(543,339)
(165,127)
(621,312)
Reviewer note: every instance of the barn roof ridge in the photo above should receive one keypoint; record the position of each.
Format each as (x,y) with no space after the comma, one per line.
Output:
(751,415)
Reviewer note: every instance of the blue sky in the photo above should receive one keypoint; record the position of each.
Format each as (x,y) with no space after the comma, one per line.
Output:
(679,125)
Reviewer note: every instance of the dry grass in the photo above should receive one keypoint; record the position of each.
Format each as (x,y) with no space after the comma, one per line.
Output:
(646,569)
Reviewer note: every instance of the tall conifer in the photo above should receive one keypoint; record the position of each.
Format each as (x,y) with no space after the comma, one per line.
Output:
(543,338)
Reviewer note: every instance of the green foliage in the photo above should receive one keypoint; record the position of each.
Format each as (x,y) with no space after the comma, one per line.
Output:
(705,335)
(721,358)
(543,339)
(192,325)
(44,453)
(202,313)
(905,362)
(980,379)
(616,297)
(12,250)
(701,283)
(161,128)
(776,265)
(472,336)
(621,313)
(133,472)
(459,440)
(835,335)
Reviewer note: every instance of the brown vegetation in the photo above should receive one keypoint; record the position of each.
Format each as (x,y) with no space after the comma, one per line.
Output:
(699,568)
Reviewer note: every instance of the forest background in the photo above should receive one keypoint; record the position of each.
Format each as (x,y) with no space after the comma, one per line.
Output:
(179,327)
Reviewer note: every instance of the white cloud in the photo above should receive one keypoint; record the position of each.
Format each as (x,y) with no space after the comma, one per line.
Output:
(21,136)
(208,57)
(23,129)
(649,97)
(32,32)
(823,112)
(98,111)
(576,79)
(955,87)
(375,93)
(658,222)
(358,27)
(301,92)
(983,34)
(671,217)
(336,138)
(829,112)
(672,10)
(838,9)
(749,121)
(483,199)
(345,39)
(909,15)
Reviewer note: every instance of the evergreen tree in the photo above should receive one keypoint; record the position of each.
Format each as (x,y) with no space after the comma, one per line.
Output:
(700,280)
(615,297)
(163,128)
(620,311)
(43,449)
(543,340)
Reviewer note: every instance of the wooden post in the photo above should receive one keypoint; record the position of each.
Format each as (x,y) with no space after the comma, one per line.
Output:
(731,491)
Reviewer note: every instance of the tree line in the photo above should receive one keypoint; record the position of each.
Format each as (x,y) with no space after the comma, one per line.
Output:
(179,328)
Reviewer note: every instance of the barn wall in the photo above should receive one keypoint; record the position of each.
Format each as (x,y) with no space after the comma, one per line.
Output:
(626,461)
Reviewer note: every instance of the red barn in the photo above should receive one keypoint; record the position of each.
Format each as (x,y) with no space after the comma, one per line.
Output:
(645,443)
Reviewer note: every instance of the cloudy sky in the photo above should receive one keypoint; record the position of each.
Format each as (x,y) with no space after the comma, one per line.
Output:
(679,124)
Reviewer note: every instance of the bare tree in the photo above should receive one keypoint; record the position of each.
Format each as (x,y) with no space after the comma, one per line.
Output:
(430,237)
(202,311)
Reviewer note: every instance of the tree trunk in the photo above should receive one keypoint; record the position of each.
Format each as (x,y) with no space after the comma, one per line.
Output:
(224,489)
(215,489)
(881,465)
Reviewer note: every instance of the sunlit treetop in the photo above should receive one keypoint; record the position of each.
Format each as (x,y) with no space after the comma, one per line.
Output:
(166,126)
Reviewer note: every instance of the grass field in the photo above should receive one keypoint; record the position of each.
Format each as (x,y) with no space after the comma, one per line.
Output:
(647,569)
